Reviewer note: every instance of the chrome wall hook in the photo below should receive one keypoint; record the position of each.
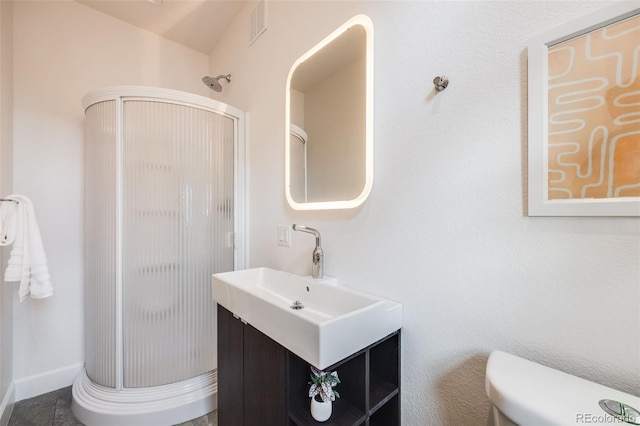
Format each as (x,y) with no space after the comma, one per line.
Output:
(441,83)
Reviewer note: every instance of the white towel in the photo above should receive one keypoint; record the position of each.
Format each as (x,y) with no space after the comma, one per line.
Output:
(28,261)
(14,267)
(8,217)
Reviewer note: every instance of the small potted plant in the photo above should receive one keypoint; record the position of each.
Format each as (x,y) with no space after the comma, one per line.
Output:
(322,393)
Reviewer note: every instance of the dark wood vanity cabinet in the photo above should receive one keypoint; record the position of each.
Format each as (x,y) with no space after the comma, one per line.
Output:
(251,375)
(262,383)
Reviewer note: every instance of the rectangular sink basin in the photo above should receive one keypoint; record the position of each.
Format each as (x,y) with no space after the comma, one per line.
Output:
(333,323)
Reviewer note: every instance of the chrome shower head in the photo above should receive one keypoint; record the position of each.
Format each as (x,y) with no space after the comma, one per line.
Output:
(213,83)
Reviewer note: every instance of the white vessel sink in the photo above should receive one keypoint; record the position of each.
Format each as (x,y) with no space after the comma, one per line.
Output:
(334,323)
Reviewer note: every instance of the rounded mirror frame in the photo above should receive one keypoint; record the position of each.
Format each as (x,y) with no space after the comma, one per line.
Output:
(366,23)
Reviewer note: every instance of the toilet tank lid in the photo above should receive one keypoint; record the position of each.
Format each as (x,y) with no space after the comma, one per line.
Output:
(532,394)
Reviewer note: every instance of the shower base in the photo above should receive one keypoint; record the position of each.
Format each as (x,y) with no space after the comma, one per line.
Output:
(170,404)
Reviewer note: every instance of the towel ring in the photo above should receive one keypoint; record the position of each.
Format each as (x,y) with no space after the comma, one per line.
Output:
(10,200)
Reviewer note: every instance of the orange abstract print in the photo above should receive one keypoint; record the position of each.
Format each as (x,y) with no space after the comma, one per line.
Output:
(594,114)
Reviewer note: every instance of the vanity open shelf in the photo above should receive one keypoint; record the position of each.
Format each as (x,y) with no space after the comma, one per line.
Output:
(369,387)
(260,380)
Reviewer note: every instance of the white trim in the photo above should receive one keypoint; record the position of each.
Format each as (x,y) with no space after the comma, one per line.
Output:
(47,381)
(240,192)
(114,92)
(119,218)
(6,407)
(538,202)
(162,95)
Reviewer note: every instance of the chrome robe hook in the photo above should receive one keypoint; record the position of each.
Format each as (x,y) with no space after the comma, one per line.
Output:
(441,83)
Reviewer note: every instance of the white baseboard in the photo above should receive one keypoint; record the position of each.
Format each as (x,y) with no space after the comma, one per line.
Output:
(48,381)
(6,406)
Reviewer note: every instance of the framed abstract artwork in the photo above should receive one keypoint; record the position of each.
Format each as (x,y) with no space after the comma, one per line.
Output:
(584,116)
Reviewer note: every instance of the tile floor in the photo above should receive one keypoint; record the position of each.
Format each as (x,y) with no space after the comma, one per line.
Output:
(54,409)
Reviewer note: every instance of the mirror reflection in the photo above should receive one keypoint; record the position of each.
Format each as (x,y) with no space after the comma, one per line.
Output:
(328,141)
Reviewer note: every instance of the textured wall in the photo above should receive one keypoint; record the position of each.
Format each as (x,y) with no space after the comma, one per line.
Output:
(443,230)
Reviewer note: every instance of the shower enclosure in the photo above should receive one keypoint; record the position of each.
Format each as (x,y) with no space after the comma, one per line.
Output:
(162,213)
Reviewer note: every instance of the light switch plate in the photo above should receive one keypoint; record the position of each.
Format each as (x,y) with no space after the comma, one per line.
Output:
(284,236)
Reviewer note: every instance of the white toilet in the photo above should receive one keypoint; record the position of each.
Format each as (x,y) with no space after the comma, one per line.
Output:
(529,394)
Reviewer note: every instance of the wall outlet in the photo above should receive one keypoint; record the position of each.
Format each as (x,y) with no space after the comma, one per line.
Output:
(284,235)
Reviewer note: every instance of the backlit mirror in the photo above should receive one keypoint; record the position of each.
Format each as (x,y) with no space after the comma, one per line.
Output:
(328,128)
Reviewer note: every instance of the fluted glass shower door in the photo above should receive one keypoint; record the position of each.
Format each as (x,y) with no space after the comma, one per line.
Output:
(164,182)
(177,219)
(163,212)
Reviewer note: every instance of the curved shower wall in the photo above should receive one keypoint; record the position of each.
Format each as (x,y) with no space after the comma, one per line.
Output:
(159,214)
(298,166)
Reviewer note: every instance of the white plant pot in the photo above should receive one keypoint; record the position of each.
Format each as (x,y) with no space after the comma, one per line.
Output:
(320,410)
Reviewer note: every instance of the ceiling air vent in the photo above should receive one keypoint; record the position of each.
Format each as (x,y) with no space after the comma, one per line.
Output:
(258,23)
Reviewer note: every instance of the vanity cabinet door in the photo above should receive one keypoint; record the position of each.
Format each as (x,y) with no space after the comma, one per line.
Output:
(230,369)
(251,375)
(264,380)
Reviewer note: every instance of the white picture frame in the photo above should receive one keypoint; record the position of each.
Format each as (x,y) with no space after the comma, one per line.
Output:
(539,203)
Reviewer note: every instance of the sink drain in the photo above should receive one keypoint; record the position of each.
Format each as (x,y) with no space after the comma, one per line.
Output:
(621,411)
(297,305)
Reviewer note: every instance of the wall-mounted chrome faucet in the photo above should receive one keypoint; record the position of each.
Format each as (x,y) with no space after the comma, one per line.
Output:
(316,267)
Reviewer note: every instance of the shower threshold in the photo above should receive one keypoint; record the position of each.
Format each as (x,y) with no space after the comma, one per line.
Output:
(167,405)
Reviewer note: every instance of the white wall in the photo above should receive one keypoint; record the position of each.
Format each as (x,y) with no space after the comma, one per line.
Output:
(444,229)
(62,51)
(6,169)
